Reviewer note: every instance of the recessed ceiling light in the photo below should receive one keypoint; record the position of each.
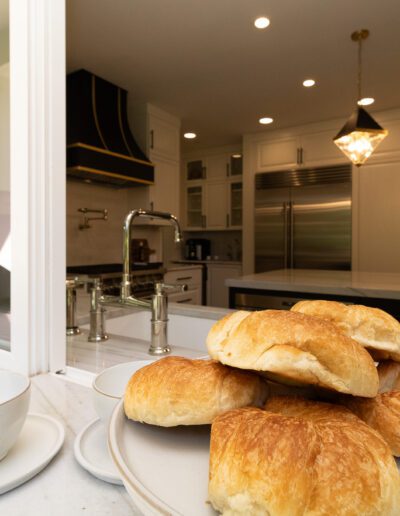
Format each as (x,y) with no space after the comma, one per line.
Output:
(366,101)
(308,83)
(266,120)
(262,22)
(190,136)
(236,156)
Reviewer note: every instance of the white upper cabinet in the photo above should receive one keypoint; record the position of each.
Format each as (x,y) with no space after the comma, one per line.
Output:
(217,167)
(213,186)
(306,150)
(278,154)
(389,148)
(319,149)
(313,145)
(163,135)
(216,205)
(164,195)
(158,134)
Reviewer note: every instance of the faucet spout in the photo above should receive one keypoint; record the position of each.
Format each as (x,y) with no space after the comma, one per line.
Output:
(126,245)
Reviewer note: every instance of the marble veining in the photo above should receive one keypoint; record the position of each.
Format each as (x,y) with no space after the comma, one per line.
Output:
(63,488)
(347,283)
(96,356)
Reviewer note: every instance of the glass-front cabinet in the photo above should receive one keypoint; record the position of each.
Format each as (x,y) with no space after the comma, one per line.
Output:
(236,165)
(236,204)
(213,191)
(195,170)
(194,207)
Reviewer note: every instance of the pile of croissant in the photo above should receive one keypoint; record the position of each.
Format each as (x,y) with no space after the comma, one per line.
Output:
(303,404)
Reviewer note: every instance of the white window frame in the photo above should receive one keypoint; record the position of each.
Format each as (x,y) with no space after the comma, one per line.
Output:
(38,185)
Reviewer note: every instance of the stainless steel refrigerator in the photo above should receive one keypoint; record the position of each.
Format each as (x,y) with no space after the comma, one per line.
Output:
(303,219)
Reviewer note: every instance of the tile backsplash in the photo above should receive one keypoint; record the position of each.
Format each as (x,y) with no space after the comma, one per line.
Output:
(226,245)
(102,243)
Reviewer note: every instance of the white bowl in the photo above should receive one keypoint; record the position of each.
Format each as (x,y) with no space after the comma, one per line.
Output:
(14,404)
(109,387)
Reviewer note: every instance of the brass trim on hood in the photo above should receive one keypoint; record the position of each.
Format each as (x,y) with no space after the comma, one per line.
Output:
(111,153)
(96,121)
(120,123)
(110,174)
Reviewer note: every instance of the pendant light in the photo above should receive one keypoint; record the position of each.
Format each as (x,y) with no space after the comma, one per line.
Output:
(360,135)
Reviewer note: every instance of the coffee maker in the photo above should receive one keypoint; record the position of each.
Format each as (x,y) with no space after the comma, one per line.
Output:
(197,249)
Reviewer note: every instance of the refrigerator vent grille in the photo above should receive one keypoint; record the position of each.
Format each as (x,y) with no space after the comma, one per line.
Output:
(304,177)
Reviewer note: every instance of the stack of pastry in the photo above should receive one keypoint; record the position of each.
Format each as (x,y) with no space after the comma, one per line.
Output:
(290,456)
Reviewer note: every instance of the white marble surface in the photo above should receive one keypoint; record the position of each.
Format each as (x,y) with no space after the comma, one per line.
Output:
(96,356)
(202,312)
(220,262)
(184,266)
(346,283)
(64,488)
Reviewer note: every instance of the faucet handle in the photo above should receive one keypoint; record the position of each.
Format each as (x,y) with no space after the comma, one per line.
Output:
(167,288)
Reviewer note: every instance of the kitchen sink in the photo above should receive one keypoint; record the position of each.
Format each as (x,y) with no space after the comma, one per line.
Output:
(183,331)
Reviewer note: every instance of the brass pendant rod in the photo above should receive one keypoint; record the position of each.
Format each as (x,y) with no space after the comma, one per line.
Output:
(359,70)
(359,36)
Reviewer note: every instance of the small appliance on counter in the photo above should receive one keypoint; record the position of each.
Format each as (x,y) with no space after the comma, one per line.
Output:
(140,250)
(197,249)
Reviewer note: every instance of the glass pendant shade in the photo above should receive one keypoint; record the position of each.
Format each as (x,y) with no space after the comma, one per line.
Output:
(360,136)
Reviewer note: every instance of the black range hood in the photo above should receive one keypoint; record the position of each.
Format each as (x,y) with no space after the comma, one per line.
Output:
(100,145)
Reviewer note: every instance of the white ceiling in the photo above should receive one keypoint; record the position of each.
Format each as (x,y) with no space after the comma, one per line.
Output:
(203,60)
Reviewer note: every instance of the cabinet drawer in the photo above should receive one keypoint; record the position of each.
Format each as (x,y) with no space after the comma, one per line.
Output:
(189,277)
(190,297)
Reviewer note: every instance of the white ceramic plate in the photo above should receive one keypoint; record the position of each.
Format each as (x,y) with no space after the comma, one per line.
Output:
(91,452)
(39,441)
(165,470)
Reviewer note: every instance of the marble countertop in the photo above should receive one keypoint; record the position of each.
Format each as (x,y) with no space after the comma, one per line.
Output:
(63,488)
(188,310)
(346,283)
(210,262)
(96,356)
(184,266)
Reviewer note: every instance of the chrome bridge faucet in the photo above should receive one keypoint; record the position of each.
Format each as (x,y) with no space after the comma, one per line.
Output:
(158,304)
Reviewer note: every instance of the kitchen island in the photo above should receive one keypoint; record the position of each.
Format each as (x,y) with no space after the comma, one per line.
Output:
(282,288)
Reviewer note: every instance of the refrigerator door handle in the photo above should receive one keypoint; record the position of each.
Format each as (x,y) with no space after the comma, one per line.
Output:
(286,233)
(291,232)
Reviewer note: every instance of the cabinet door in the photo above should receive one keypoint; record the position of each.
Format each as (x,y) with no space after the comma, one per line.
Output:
(190,297)
(164,194)
(235,204)
(195,170)
(278,154)
(194,207)
(164,138)
(319,149)
(217,292)
(235,165)
(217,167)
(376,233)
(216,205)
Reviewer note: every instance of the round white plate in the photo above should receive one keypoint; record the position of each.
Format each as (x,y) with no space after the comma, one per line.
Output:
(91,452)
(165,470)
(39,441)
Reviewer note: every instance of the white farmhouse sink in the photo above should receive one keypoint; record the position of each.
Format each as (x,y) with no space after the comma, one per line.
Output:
(183,331)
